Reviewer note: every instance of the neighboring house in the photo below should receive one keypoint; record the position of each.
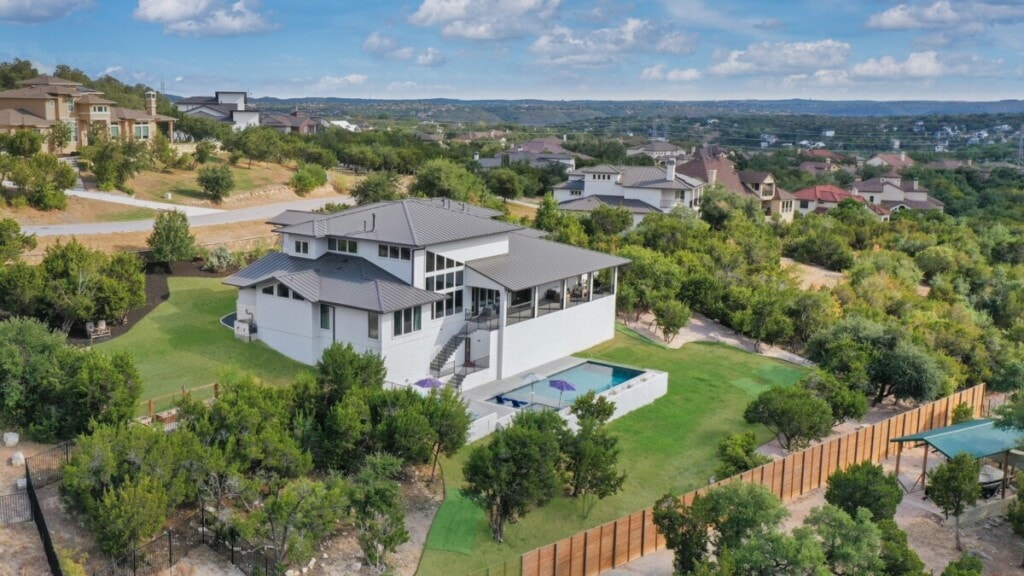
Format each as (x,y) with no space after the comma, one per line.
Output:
(43,101)
(231,108)
(895,161)
(430,138)
(820,199)
(818,169)
(534,159)
(656,149)
(433,287)
(712,166)
(297,122)
(498,136)
(549,145)
(822,156)
(346,125)
(892,192)
(639,189)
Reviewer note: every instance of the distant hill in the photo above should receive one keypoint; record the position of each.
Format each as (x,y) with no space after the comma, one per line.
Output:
(550,112)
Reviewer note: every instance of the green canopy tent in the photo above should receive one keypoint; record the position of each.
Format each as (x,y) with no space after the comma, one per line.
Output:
(979,438)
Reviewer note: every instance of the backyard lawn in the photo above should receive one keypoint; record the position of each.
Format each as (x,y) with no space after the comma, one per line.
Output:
(181,343)
(666,446)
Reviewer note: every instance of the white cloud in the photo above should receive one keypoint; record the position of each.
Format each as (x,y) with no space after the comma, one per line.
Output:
(35,11)
(567,47)
(402,86)
(112,70)
(927,64)
(945,14)
(485,19)
(376,43)
(204,17)
(179,78)
(820,78)
(430,57)
(328,82)
(771,57)
(658,72)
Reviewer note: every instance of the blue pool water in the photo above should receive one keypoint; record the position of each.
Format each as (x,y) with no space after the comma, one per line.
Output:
(584,377)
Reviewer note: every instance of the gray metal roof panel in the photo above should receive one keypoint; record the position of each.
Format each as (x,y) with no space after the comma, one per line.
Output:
(650,177)
(535,261)
(589,203)
(293,217)
(410,222)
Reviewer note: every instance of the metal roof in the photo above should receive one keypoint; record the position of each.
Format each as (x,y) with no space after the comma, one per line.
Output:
(347,281)
(650,177)
(293,217)
(534,261)
(979,438)
(589,203)
(410,222)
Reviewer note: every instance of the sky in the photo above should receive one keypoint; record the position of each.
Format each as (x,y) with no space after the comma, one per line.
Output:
(543,49)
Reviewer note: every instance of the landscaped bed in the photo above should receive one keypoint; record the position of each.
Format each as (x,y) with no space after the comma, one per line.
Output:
(666,446)
(181,343)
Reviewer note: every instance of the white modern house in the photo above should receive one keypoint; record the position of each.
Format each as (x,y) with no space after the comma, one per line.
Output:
(434,287)
(228,107)
(894,193)
(639,189)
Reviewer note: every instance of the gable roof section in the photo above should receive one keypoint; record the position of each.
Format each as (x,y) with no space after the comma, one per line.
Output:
(410,222)
(704,162)
(651,177)
(534,261)
(347,281)
(17,118)
(590,203)
(825,193)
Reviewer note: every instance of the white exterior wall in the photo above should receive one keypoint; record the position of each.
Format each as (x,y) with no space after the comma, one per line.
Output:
(245,306)
(473,249)
(236,98)
(608,187)
(403,269)
(244,119)
(317,247)
(650,196)
(349,327)
(407,357)
(533,342)
(292,327)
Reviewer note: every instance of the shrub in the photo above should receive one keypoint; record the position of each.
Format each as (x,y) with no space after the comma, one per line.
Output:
(865,485)
(307,178)
(171,240)
(218,259)
(216,181)
(234,157)
(737,454)
(963,412)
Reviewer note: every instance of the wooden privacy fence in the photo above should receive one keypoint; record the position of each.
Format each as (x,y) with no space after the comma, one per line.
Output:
(630,537)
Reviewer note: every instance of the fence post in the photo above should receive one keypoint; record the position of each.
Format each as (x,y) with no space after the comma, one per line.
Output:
(232,544)
(170,549)
(151,410)
(202,521)
(216,390)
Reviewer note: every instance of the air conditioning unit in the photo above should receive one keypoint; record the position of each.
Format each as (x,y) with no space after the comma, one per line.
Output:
(245,330)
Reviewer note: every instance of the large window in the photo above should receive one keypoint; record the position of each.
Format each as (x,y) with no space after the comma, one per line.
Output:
(341,245)
(394,252)
(445,276)
(301,247)
(142,131)
(115,131)
(407,321)
(325,317)
(283,291)
(373,325)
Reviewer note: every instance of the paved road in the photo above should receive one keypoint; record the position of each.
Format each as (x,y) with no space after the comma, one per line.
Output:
(263,213)
(120,198)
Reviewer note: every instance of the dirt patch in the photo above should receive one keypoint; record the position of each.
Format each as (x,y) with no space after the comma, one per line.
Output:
(79,211)
(813,277)
(341,554)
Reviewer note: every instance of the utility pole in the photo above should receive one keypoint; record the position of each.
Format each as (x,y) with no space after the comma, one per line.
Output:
(1020,146)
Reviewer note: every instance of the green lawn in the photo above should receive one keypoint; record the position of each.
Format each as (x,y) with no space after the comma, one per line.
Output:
(136,213)
(181,344)
(666,446)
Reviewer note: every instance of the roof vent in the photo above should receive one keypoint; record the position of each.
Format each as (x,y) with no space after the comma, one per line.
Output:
(320,228)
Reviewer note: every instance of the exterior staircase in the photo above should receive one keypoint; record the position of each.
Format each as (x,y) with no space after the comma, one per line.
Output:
(456,381)
(445,354)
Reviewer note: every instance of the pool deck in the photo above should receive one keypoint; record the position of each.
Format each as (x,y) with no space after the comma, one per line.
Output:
(485,392)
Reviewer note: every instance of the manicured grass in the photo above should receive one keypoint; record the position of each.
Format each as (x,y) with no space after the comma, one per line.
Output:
(131,214)
(181,343)
(666,446)
(457,525)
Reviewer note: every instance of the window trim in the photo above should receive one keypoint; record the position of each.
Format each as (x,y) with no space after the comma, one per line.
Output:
(325,317)
(302,247)
(373,325)
(407,321)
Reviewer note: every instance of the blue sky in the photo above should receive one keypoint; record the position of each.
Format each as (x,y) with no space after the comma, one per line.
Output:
(547,49)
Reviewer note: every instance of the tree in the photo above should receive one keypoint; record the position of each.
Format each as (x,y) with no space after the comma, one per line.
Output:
(906,372)
(449,419)
(114,162)
(122,288)
(377,187)
(15,70)
(852,544)
(43,178)
(1015,514)
(259,144)
(511,474)
(650,278)
(685,532)
(954,487)
(443,178)
(24,143)
(72,275)
(294,519)
(738,511)
(379,513)
(792,415)
(591,454)
(216,181)
(966,565)
(845,403)
(129,515)
(505,183)
(307,178)
(898,558)
(204,151)
(671,316)
(609,220)
(171,240)
(737,453)
(865,485)
(160,149)
(776,553)
(547,214)
(12,241)
(60,136)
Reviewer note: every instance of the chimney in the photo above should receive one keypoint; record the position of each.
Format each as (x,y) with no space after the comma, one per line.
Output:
(476,156)
(364,225)
(151,103)
(670,170)
(564,137)
(712,176)
(903,156)
(915,183)
(373,225)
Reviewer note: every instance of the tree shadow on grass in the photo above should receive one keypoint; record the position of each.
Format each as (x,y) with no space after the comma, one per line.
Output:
(189,192)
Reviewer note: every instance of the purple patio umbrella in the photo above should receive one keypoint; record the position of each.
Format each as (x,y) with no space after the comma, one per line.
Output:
(562,386)
(429,383)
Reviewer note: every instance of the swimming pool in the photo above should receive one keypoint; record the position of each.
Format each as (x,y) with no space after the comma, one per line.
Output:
(584,377)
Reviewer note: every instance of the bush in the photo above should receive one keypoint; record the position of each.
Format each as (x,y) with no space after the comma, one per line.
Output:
(84,165)
(171,240)
(966,565)
(234,157)
(307,178)
(794,416)
(737,454)
(963,412)
(865,485)
(204,150)
(216,181)
(184,162)
(218,260)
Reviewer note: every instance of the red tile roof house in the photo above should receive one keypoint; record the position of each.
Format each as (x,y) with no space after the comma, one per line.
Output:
(896,161)
(714,167)
(820,199)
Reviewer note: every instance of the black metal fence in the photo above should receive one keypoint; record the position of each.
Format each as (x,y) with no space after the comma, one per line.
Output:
(44,532)
(15,508)
(48,465)
(177,542)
